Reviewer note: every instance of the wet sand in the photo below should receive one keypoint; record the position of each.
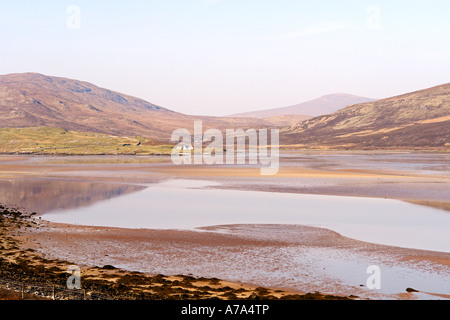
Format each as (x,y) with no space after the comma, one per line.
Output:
(327,177)
(296,258)
(293,258)
(27,271)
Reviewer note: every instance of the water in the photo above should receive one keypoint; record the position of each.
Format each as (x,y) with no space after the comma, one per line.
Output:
(186,204)
(407,162)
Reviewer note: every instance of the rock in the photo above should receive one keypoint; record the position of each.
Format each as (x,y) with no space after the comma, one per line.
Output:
(109,267)
(411,290)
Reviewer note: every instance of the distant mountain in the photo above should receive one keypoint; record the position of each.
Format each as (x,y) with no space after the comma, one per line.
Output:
(323,105)
(415,120)
(36,100)
(419,119)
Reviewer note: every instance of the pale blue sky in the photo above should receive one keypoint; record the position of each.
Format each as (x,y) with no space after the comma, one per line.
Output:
(220,57)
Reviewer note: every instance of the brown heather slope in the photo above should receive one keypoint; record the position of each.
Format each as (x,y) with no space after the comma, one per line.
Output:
(417,120)
(286,120)
(36,100)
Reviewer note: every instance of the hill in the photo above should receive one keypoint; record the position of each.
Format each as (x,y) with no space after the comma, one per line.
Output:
(417,120)
(36,100)
(45,140)
(323,105)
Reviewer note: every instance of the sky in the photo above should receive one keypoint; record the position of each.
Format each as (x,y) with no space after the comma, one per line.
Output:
(219,57)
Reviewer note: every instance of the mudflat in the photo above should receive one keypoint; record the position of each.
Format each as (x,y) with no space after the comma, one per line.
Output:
(290,257)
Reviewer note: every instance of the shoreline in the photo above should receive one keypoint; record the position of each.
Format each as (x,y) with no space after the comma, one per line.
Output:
(20,263)
(241,246)
(306,178)
(41,243)
(285,148)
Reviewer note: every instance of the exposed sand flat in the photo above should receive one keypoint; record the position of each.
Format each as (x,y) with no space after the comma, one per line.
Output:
(294,258)
(402,176)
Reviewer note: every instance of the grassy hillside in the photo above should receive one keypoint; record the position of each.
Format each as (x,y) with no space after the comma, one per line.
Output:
(43,140)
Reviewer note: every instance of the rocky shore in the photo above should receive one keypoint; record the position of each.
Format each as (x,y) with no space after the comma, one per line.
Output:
(43,278)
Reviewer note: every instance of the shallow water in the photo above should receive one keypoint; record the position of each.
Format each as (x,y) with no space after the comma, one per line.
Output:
(187,204)
(413,163)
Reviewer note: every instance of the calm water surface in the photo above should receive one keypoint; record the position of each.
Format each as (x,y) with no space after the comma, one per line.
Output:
(188,204)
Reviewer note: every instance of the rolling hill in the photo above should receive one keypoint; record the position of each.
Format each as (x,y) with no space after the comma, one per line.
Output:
(323,105)
(50,141)
(36,100)
(417,120)
(55,115)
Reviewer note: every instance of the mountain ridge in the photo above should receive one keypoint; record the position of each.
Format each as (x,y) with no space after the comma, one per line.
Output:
(33,99)
(323,105)
(419,119)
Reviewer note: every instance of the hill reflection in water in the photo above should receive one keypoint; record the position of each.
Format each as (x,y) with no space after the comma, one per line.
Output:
(42,196)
